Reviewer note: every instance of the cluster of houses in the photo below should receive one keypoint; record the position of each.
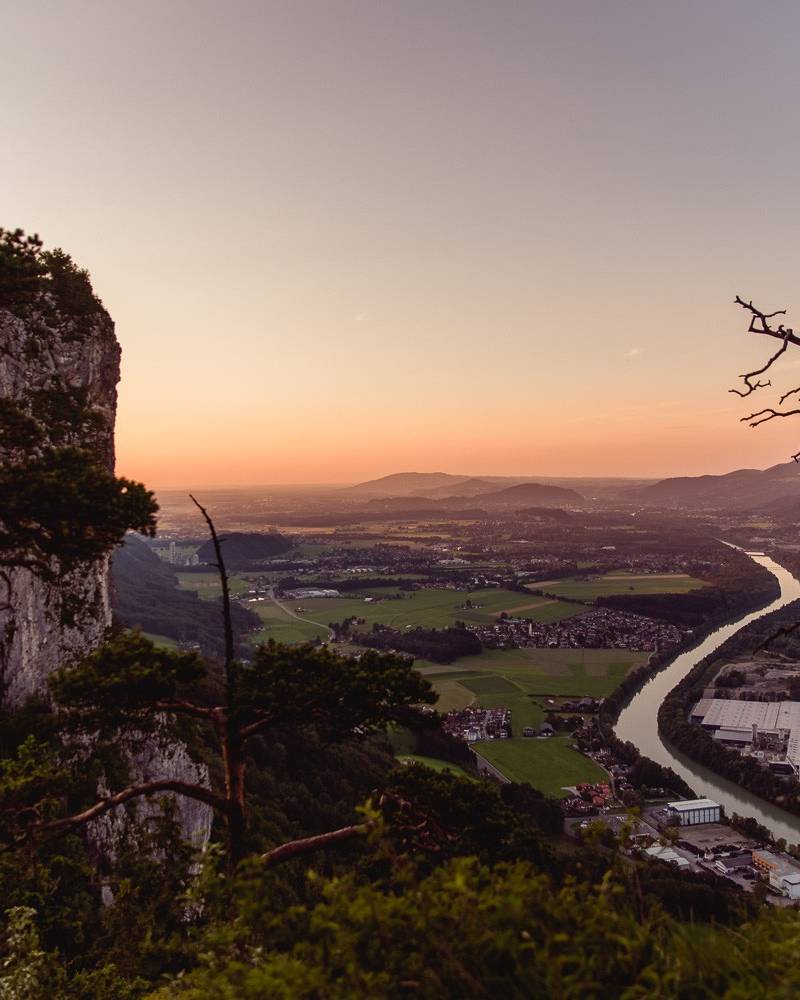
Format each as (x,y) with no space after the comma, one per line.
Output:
(598,628)
(588,799)
(474,724)
(604,628)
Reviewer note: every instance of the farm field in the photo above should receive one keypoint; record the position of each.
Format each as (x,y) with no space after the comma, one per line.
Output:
(620,583)
(520,680)
(280,626)
(547,764)
(437,608)
(589,672)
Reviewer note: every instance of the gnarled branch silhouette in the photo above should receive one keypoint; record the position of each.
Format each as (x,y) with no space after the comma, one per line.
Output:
(760,324)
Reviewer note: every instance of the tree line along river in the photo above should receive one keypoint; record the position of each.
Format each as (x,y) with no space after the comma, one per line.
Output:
(638,721)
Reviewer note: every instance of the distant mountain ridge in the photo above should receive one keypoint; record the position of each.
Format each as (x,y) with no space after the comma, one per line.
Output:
(743,489)
(426,483)
(446,486)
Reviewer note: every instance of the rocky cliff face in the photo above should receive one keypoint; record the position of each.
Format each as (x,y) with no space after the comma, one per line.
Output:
(37,635)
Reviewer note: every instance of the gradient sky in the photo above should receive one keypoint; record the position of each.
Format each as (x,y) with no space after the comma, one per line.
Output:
(350,237)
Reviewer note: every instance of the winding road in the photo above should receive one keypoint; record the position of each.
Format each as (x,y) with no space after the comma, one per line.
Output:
(293,614)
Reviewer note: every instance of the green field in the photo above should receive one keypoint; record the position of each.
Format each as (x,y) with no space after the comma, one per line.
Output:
(547,764)
(282,627)
(434,764)
(163,641)
(521,680)
(207,585)
(437,608)
(619,583)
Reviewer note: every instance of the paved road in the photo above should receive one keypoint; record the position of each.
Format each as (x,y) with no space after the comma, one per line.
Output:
(484,767)
(293,614)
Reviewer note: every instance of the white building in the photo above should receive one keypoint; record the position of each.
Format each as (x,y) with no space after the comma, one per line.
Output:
(782,873)
(694,811)
(744,724)
(661,853)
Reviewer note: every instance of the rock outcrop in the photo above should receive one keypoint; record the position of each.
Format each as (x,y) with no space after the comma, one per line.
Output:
(35,634)
(46,624)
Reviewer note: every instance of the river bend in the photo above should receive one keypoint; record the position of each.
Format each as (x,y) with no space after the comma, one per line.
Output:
(638,721)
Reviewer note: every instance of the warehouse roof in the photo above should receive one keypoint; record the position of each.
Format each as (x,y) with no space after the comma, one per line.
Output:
(685,806)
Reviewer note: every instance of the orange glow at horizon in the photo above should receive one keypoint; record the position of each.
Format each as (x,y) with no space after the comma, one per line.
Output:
(344,240)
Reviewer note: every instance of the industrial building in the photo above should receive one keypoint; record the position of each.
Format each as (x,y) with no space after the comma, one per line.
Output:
(769,729)
(693,811)
(783,876)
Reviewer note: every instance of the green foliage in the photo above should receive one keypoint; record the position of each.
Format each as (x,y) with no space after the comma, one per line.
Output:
(467,930)
(121,682)
(22,271)
(432,816)
(60,506)
(33,779)
(47,282)
(27,972)
(60,503)
(338,695)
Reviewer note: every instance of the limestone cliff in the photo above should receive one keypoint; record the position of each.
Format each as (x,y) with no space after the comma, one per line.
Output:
(45,624)
(35,638)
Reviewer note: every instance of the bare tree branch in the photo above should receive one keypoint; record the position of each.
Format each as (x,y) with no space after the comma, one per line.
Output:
(759,322)
(226,599)
(762,416)
(752,386)
(120,798)
(296,848)
(786,395)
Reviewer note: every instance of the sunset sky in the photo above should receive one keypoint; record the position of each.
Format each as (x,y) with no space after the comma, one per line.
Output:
(346,238)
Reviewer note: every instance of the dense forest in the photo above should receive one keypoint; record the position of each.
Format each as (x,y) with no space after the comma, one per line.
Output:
(244,550)
(736,585)
(442,645)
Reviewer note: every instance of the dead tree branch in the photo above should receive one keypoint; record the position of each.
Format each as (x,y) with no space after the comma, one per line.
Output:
(760,324)
(296,848)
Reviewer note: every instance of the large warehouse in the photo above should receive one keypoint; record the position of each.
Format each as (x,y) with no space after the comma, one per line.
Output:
(749,724)
(694,811)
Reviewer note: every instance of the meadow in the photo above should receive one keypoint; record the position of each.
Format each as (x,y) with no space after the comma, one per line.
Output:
(547,764)
(437,608)
(619,583)
(279,625)
(522,680)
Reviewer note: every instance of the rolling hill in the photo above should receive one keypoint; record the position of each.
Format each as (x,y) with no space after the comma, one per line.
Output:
(531,495)
(743,489)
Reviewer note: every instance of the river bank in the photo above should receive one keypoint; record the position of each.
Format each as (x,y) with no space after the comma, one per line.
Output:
(637,722)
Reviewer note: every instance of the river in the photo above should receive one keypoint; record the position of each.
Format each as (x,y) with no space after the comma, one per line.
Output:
(638,721)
